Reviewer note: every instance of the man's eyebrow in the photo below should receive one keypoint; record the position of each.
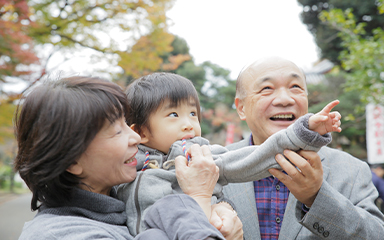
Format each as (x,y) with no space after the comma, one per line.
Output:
(293,75)
(265,79)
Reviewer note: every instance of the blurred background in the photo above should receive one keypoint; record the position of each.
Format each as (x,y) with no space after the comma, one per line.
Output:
(338,44)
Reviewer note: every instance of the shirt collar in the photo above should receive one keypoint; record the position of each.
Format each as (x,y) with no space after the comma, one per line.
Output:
(251,140)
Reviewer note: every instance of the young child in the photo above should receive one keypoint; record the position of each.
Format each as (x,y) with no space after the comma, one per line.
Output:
(164,109)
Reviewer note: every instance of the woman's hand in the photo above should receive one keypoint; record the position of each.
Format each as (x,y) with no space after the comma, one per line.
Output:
(198,177)
(225,219)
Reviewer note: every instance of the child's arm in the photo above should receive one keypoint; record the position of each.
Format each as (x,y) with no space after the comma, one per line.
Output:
(326,121)
(252,163)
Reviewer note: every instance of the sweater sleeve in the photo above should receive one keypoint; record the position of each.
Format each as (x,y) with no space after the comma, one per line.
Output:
(252,163)
(344,206)
(177,147)
(186,220)
(152,234)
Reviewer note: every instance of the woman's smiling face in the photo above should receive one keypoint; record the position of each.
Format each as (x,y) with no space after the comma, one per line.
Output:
(109,159)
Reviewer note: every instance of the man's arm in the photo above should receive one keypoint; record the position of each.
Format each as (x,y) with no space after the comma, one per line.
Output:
(343,204)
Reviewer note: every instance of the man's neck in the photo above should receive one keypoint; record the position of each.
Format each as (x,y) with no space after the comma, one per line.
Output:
(254,141)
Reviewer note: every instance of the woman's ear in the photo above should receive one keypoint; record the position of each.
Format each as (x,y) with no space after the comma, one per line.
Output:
(143,133)
(75,169)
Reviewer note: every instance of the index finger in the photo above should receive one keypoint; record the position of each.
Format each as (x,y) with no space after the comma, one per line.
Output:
(206,151)
(195,151)
(328,108)
(312,157)
(199,151)
(180,162)
(305,162)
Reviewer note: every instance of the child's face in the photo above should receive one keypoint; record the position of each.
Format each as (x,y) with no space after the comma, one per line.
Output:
(169,124)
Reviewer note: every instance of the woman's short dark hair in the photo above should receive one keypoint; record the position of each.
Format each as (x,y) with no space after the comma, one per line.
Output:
(146,94)
(54,125)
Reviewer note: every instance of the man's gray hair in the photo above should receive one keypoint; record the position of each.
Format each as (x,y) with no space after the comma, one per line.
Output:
(240,91)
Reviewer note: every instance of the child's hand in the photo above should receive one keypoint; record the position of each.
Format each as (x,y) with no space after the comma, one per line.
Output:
(326,121)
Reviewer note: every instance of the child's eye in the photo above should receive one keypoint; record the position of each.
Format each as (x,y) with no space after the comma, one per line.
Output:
(193,114)
(173,114)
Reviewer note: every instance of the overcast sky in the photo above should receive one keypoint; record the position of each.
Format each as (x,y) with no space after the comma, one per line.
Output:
(233,34)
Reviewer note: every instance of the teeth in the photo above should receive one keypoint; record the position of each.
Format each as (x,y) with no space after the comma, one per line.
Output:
(283,116)
(129,160)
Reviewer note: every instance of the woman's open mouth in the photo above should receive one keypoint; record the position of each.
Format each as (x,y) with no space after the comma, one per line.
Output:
(130,160)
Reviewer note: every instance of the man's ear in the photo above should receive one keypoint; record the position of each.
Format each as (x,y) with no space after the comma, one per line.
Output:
(75,169)
(240,108)
(143,133)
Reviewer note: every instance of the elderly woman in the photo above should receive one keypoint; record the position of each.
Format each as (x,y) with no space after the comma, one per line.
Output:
(74,147)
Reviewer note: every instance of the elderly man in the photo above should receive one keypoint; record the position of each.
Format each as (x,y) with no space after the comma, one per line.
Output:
(328,195)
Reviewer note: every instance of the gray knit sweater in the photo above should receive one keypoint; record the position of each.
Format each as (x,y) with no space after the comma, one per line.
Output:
(242,165)
(96,216)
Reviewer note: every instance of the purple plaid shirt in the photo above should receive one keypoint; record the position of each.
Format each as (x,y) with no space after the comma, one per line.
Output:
(271,197)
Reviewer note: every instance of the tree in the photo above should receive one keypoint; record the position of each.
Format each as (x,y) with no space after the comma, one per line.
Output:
(211,81)
(16,47)
(362,57)
(353,120)
(7,143)
(326,37)
(130,34)
(215,88)
(219,88)
(216,97)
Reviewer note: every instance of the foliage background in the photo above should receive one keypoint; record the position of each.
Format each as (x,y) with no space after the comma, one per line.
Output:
(128,39)
(349,33)
(131,36)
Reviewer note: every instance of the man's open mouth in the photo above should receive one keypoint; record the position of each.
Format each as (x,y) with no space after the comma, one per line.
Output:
(283,117)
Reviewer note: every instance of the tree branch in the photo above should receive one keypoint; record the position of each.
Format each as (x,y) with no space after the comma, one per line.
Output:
(84,45)
(43,72)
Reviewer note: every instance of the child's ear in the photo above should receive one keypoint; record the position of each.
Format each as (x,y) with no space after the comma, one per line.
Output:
(144,133)
(240,108)
(75,169)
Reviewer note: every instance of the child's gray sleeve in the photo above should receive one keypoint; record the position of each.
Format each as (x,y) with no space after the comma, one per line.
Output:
(252,163)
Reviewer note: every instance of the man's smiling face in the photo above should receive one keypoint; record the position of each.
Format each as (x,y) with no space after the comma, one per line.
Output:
(275,97)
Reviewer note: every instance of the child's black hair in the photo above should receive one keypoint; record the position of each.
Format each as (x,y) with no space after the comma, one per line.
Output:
(146,94)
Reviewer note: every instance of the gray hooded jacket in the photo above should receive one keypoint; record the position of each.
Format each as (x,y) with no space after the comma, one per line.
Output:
(242,165)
